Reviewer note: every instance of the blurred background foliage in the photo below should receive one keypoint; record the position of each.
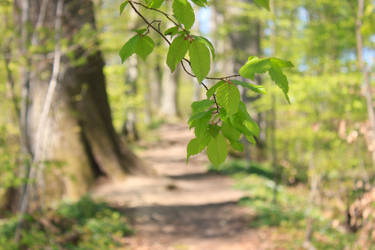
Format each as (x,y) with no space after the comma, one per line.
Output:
(313,157)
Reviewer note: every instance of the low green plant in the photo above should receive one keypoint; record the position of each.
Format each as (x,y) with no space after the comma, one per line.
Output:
(85,224)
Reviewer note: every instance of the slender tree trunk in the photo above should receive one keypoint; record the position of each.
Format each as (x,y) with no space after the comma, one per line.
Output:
(129,128)
(81,143)
(169,98)
(366,78)
(155,87)
(152,95)
(314,187)
(273,112)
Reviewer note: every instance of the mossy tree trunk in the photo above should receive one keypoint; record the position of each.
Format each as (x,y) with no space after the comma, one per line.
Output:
(79,141)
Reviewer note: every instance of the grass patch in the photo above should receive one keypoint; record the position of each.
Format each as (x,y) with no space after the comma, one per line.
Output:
(287,217)
(85,224)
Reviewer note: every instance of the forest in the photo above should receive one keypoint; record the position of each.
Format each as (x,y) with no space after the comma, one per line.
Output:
(187,124)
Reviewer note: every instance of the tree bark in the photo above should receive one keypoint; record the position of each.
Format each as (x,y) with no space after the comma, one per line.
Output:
(366,78)
(169,98)
(81,142)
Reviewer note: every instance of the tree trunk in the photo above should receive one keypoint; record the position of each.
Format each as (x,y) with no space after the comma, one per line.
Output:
(366,79)
(129,128)
(79,142)
(169,99)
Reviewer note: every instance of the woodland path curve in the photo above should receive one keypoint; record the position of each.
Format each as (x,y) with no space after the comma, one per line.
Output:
(183,207)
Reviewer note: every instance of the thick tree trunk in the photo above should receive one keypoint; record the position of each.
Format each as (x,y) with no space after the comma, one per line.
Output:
(79,142)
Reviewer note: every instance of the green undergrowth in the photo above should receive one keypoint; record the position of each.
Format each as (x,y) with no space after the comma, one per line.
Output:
(85,224)
(286,218)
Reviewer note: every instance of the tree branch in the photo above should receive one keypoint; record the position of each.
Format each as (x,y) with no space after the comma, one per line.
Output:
(167,40)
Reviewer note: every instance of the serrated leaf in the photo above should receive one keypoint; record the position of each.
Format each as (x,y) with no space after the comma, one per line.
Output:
(200,119)
(154,3)
(242,111)
(144,46)
(281,63)
(211,91)
(251,139)
(184,13)
(194,147)
(237,122)
(278,77)
(177,51)
(252,127)
(122,6)
(230,132)
(201,131)
(256,88)
(200,106)
(141,31)
(237,145)
(200,59)
(208,44)
(171,31)
(254,66)
(129,48)
(229,97)
(217,150)
(274,67)
(200,3)
(263,3)
(213,130)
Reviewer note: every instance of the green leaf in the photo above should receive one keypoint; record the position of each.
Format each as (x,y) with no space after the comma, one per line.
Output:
(213,130)
(184,13)
(252,126)
(208,44)
(154,3)
(200,119)
(200,106)
(200,59)
(256,88)
(251,139)
(144,46)
(242,111)
(230,132)
(213,89)
(217,150)
(194,147)
(201,3)
(141,31)
(278,77)
(237,145)
(254,66)
(263,3)
(274,67)
(177,52)
(129,48)
(229,97)
(123,5)
(171,31)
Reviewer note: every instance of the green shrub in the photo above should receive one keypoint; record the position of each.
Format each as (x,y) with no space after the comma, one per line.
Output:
(85,224)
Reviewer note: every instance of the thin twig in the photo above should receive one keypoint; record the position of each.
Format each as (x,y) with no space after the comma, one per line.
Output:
(149,23)
(166,39)
(161,12)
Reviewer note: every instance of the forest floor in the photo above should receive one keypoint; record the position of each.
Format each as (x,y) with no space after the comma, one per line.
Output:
(184,207)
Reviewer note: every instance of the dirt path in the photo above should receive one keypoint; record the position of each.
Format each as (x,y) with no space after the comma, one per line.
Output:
(184,207)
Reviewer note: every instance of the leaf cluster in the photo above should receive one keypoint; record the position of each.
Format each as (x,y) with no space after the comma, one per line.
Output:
(221,119)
